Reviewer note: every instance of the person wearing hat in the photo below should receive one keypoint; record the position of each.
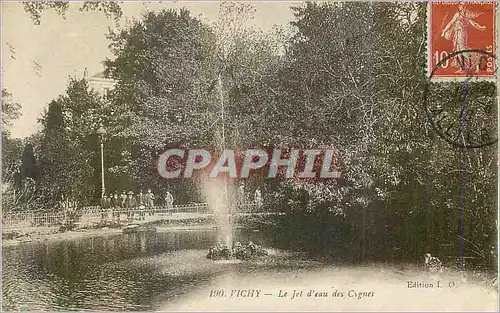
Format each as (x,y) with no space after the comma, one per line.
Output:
(123,200)
(131,204)
(115,206)
(141,201)
(150,197)
(105,205)
(110,205)
(169,200)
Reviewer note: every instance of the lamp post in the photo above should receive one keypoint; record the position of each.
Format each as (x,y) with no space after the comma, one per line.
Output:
(101,131)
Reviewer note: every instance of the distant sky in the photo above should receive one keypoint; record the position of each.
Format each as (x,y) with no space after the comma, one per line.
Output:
(37,60)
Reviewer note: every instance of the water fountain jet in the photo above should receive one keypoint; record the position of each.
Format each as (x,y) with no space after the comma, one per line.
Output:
(217,193)
(222,198)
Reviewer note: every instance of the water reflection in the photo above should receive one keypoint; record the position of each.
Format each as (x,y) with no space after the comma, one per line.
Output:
(169,271)
(118,272)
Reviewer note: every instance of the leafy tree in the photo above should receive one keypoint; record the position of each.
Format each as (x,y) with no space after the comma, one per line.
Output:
(29,168)
(11,148)
(364,97)
(174,76)
(68,152)
(36,8)
(10,110)
(163,66)
(19,170)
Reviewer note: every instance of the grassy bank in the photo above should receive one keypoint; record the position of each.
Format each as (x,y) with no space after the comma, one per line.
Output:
(15,236)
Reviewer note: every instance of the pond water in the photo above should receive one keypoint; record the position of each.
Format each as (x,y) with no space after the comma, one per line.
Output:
(120,272)
(169,271)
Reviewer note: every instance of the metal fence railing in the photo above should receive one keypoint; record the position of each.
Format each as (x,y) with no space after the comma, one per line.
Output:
(32,219)
(36,219)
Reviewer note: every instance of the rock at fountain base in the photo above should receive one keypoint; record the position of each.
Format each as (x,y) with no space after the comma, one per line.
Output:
(239,251)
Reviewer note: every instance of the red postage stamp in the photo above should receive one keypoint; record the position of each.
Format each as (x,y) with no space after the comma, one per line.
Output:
(461,40)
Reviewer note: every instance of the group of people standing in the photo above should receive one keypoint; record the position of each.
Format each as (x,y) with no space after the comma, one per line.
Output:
(132,204)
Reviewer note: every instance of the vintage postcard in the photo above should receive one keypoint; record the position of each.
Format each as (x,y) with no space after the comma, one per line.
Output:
(249,156)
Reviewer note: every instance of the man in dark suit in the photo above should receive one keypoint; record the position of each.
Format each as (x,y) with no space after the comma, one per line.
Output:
(115,206)
(150,197)
(131,204)
(123,200)
(141,204)
(105,204)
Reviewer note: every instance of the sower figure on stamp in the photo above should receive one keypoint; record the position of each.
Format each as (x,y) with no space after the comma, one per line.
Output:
(169,200)
(150,197)
(457,31)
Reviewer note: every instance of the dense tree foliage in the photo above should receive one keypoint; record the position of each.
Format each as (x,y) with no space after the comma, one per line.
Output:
(19,164)
(164,67)
(10,110)
(69,146)
(403,187)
